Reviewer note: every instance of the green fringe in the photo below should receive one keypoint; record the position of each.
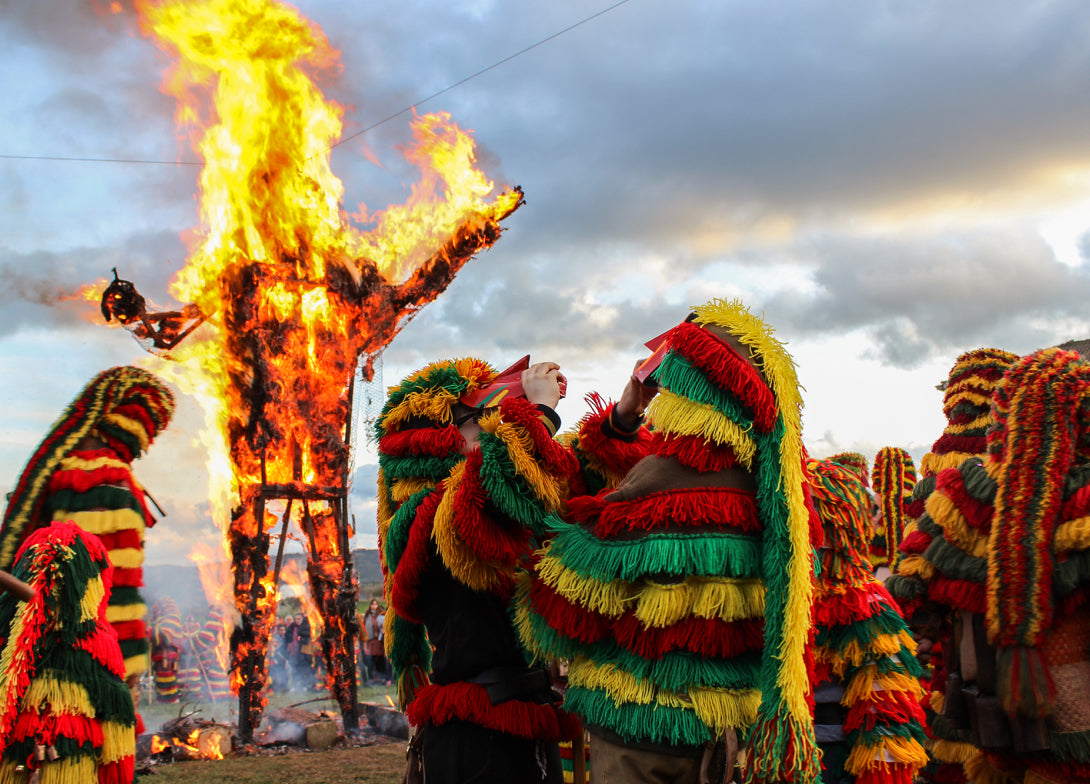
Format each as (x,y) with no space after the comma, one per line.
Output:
(905,587)
(956,563)
(864,632)
(419,466)
(978,484)
(67,748)
(912,730)
(134,647)
(642,723)
(410,646)
(508,490)
(679,375)
(1072,574)
(708,554)
(107,694)
(98,497)
(925,486)
(834,756)
(124,595)
(1070,746)
(941,729)
(397,535)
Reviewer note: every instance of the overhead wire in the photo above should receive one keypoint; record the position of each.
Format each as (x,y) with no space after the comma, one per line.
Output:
(358,133)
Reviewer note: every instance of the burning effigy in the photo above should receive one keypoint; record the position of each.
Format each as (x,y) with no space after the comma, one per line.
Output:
(286,299)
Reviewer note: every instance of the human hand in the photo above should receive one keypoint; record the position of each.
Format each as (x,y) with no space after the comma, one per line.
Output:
(541,383)
(634,401)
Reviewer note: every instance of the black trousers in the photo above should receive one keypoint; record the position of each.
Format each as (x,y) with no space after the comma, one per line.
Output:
(462,753)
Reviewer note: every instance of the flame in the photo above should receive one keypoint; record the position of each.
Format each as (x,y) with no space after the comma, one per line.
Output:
(296,294)
(292,576)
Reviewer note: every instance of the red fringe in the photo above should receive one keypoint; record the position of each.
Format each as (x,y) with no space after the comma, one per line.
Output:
(129,578)
(119,772)
(130,630)
(850,606)
(437,704)
(556,459)
(432,442)
(616,455)
(915,543)
(117,540)
(477,530)
(704,508)
(951,484)
(704,636)
(883,707)
(1078,505)
(103,647)
(949,773)
(414,561)
(567,618)
(140,414)
(81,481)
(887,773)
(694,452)
(962,594)
(947,443)
(727,370)
(48,727)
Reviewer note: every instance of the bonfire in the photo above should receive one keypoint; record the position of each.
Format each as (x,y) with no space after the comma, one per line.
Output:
(286,299)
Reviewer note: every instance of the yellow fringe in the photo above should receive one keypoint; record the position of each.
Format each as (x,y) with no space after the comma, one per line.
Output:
(75,463)
(720,709)
(979,771)
(466,566)
(92,598)
(856,655)
(1072,535)
(937,701)
(119,613)
(957,530)
(404,489)
(104,521)
(127,558)
(916,565)
(46,693)
(520,448)
(8,664)
(725,598)
(779,371)
(608,598)
(130,426)
(906,751)
(71,770)
(867,682)
(118,741)
(674,414)
(434,404)
(933,464)
(136,665)
(952,751)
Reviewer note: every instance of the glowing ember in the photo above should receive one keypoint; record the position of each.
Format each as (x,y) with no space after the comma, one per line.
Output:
(295,295)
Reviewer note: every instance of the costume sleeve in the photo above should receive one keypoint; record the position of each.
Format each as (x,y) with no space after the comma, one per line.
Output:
(604,454)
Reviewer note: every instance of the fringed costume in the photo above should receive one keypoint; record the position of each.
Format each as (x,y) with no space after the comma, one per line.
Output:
(65,711)
(868,719)
(894,479)
(682,598)
(82,472)
(935,576)
(166,649)
(1020,525)
(453,530)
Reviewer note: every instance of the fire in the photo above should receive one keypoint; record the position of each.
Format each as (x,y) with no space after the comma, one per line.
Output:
(295,294)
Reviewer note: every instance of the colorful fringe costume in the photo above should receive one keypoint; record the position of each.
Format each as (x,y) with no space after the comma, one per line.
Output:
(894,478)
(453,530)
(941,571)
(868,718)
(64,707)
(166,648)
(82,472)
(682,598)
(1023,537)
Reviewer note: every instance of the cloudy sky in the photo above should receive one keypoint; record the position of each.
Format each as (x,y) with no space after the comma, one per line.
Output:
(891,184)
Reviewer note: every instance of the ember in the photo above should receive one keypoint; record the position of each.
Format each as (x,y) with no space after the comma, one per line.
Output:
(295,299)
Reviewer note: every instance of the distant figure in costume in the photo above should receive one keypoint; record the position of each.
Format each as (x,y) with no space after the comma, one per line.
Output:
(470,481)
(893,479)
(936,578)
(82,472)
(1017,522)
(868,719)
(166,649)
(65,711)
(682,597)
